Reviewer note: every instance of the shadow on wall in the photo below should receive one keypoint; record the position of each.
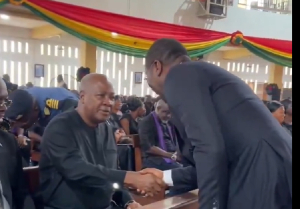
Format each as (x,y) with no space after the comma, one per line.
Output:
(187,15)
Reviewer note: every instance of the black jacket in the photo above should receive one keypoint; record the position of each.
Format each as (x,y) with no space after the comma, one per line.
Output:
(242,156)
(76,174)
(12,179)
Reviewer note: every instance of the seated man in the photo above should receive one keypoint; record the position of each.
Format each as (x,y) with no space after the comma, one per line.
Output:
(78,166)
(37,104)
(12,186)
(158,139)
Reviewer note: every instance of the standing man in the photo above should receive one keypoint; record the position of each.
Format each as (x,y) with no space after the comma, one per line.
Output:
(243,157)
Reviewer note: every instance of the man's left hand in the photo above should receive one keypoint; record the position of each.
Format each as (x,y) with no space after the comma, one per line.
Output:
(133,205)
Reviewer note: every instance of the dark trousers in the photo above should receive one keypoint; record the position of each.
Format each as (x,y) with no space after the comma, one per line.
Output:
(163,166)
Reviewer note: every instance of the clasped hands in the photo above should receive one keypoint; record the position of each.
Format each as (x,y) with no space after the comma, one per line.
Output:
(149,182)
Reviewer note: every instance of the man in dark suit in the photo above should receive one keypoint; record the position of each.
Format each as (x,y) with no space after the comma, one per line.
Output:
(243,157)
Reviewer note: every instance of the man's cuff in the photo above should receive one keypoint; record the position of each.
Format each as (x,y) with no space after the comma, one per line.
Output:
(167,177)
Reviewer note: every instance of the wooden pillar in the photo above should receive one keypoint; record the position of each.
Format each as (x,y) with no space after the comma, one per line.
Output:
(88,55)
(275,76)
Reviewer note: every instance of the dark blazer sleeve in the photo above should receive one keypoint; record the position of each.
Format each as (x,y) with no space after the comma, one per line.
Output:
(20,191)
(147,133)
(187,92)
(60,147)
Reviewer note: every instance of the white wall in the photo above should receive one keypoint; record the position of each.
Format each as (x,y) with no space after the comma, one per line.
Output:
(19,54)
(183,12)
(120,69)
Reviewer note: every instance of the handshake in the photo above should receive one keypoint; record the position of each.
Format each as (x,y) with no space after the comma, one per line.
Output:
(148,181)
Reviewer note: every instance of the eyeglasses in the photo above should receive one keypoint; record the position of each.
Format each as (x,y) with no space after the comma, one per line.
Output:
(5,102)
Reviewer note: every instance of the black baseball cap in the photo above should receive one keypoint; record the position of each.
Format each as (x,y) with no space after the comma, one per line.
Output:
(22,103)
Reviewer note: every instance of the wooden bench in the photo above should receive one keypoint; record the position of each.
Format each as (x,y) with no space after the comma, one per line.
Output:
(185,201)
(34,155)
(139,166)
(137,152)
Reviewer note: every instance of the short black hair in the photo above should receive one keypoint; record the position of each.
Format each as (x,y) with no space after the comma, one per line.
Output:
(117,97)
(273,105)
(287,103)
(59,78)
(165,50)
(134,103)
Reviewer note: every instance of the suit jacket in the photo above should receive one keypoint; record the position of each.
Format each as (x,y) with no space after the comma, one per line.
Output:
(240,151)
(13,186)
(76,174)
(149,137)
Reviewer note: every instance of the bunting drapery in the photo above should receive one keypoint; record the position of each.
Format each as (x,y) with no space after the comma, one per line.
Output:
(133,36)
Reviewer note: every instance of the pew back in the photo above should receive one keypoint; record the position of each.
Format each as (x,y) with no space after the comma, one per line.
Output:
(137,152)
(32,176)
(185,201)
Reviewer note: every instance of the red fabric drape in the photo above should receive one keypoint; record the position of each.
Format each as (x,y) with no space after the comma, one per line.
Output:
(147,29)
(130,26)
(280,45)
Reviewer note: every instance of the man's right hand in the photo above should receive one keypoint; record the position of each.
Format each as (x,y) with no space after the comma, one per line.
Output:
(154,171)
(22,141)
(148,183)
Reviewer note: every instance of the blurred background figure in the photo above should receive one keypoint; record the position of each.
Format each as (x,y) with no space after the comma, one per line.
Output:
(60,82)
(278,111)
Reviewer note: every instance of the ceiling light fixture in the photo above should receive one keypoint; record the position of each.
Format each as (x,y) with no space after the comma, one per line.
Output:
(4,17)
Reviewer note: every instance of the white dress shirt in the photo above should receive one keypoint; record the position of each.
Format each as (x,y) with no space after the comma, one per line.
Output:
(167,177)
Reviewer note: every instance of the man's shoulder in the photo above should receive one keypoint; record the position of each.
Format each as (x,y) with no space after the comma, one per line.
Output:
(146,122)
(147,119)
(63,119)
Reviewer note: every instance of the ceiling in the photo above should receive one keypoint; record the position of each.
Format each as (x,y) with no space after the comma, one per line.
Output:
(22,22)
(20,17)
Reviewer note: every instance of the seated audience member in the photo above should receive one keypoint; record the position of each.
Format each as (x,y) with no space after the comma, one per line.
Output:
(288,119)
(158,139)
(136,110)
(75,92)
(278,111)
(148,104)
(116,114)
(158,143)
(9,85)
(78,166)
(12,185)
(60,82)
(29,85)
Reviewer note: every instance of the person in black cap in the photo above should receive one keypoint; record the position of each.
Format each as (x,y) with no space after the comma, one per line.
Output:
(37,104)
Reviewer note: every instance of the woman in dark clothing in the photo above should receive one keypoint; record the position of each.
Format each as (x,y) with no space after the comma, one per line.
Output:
(278,111)
(116,114)
(135,109)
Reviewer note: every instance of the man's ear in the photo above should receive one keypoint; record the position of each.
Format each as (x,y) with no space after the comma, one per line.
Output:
(81,97)
(158,67)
